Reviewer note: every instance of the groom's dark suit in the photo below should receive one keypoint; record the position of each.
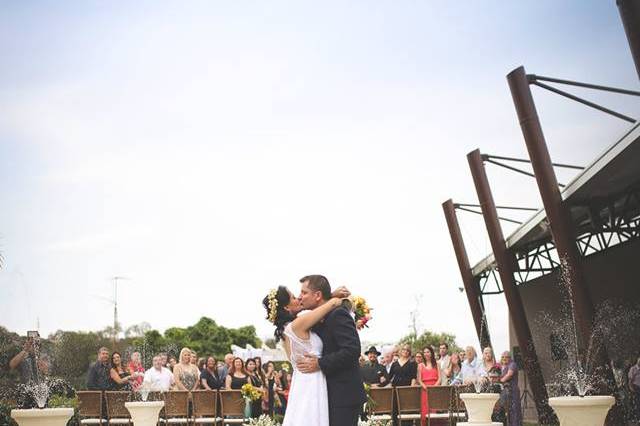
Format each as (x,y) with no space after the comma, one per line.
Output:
(339,363)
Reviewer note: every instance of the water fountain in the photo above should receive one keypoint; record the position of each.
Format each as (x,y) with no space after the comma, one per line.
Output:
(145,413)
(479,405)
(582,409)
(41,416)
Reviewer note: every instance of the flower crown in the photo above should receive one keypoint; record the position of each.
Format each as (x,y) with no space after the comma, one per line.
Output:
(273,306)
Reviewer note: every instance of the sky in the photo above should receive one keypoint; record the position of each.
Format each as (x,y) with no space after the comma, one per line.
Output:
(209,151)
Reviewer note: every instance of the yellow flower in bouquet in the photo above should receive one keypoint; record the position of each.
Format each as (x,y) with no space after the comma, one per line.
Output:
(361,310)
(250,392)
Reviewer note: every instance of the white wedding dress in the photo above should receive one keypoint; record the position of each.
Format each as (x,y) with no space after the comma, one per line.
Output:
(308,402)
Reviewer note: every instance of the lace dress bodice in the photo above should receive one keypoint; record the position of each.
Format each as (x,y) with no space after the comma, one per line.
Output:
(299,347)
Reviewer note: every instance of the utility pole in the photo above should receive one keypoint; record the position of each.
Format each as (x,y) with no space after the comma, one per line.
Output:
(115,306)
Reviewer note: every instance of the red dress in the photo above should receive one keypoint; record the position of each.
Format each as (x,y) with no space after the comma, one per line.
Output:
(429,377)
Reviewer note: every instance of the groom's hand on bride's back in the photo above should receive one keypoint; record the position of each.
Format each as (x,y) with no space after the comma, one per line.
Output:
(308,364)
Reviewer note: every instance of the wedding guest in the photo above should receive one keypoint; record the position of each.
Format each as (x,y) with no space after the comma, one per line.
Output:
(419,359)
(201,364)
(509,378)
(256,381)
(27,361)
(159,378)
(403,373)
(237,375)
(282,392)
(452,373)
(373,372)
(634,386)
(98,377)
(260,370)
(186,374)
(209,379)
(443,362)
(172,363)
(194,358)
(494,385)
(228,363)
(462,355)
(487,363)
(428,375)
(387,358)
(164,359)
(469,371)
(136,370)
(120,378)
(272,382)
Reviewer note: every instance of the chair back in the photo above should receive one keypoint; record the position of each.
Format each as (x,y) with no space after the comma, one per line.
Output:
(176,403)
(115,404)
(231,403)
(89,403)
(205,403)
(383,400)
(440,397)
(409,400)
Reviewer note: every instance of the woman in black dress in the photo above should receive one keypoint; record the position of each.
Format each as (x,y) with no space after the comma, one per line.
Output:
(120,378)
(271,377)
(256,381)
(237,376)
(403,372)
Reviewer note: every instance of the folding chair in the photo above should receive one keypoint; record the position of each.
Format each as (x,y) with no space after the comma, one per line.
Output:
(176,407)
(439,398)
(117,413)
(382,403)
(205,407)
(90,407)
(409,403)
(232,407)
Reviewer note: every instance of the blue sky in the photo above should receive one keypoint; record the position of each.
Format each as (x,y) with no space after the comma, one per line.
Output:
(212,150)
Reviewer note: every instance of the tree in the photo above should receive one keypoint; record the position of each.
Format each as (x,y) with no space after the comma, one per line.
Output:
(429,338)
(137,330)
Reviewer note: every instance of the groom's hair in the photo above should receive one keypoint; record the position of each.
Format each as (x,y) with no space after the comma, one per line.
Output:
(318,283)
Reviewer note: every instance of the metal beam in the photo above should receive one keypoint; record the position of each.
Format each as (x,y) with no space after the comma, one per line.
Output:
(630,15)
(471,286)
(507,267)
(559,219)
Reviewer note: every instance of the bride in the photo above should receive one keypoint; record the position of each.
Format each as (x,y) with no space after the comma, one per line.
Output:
(308,400)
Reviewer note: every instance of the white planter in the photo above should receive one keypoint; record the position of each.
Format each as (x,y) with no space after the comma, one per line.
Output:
(144,413)
(480,407)
(582,411)
(42,417)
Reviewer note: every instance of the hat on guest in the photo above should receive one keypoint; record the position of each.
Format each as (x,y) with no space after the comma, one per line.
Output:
(374,350)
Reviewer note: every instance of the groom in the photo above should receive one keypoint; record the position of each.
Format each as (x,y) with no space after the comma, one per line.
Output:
(339,361)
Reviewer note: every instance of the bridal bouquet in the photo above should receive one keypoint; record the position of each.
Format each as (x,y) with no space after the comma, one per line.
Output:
(361,311)
(250,392)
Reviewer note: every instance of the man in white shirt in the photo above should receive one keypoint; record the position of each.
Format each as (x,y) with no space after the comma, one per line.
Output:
(469,372)
(158,377)
(444,362)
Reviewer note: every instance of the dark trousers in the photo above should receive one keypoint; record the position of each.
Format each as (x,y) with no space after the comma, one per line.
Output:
(344,416)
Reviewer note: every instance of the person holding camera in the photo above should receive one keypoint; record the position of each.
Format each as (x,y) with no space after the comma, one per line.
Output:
(27,361)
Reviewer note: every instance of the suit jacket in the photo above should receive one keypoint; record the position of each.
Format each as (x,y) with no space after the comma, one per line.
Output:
(339,361)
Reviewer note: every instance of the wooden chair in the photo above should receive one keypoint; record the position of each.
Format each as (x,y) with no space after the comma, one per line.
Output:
(176,408)
(117,413)
(383,403)
(205,407)
(90,407)
(409,402)
(232,407)
(440,403)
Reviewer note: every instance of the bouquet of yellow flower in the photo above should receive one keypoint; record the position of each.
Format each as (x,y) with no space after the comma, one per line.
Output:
(250,393)
(361,310)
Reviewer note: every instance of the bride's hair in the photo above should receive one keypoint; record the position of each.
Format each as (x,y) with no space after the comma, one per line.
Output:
(274,303)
